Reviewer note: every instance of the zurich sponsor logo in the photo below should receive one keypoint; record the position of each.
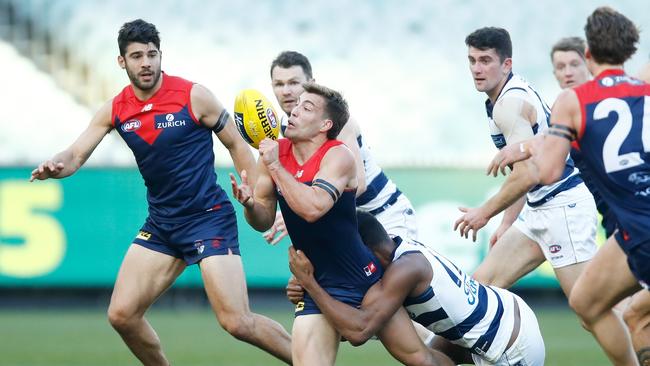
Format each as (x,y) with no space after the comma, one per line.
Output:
(554,248)
(272,119)
(169,117)
(639,178)
(131,125)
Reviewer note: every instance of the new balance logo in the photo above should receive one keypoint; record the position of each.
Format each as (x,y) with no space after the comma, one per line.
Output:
(147,107)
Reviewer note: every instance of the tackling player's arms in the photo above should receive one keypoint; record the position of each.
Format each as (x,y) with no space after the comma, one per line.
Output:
(410,275)
(337,173)
(68,161)
(211,113)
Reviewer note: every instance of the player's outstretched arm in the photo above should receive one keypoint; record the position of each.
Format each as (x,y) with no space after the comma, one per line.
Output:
(277,231)
(68,161)
(207,108)
(565,127)
(336,173)
(379,304)
(514,117)
(259,207)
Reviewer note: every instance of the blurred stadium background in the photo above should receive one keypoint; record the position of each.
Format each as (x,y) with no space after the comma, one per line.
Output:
(403,67)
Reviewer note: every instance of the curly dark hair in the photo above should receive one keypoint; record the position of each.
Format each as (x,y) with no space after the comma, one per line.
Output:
(611,36)
(137,31)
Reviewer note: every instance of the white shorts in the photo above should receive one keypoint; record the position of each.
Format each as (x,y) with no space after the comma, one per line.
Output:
(528,349)
(565,227)
(399,219)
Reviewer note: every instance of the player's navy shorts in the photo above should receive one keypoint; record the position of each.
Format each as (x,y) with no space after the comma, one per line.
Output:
(204,235)
(352,297)
(638,259)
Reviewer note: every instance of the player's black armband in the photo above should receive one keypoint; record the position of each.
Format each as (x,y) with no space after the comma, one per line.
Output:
(327,187)
(562,131)
(221,122)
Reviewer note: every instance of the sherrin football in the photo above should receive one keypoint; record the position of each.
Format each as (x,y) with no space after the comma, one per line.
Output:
(255,117)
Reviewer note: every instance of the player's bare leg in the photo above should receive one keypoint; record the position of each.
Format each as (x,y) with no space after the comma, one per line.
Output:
(314,341)
(637,318)
(605,281)
(568,275)
(225,285)
(520,252)
(425,335)
(400,339)
(143,276)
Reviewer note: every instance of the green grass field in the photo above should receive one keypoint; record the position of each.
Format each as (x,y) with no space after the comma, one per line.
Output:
(192,337)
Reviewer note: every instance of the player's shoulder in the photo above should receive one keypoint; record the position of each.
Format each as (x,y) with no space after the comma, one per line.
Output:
(338,153)
(352,125)
(410,263)
(176,82)
(568,98)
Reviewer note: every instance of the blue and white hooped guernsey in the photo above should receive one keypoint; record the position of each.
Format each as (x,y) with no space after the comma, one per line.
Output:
(518,87)
(456,307)
(380,190)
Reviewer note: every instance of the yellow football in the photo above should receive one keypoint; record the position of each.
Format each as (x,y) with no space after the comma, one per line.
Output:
(255,117)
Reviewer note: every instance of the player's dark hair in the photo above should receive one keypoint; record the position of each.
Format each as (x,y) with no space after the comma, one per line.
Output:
(611,36)
(575,44)
(287,59)
(491,37)
(137,31)
(372,233)
(336,108)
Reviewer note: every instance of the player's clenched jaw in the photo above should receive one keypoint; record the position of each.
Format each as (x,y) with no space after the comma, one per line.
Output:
(142,65)
(488,72)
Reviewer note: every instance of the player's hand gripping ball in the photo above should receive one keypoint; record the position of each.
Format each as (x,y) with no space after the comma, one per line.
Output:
(255,117)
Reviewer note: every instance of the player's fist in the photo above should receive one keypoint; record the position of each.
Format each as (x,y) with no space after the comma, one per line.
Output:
(242,192)
(47,169)
(295,292)
(269,151)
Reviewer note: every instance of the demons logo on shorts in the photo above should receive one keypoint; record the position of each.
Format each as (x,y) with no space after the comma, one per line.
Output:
(554,248)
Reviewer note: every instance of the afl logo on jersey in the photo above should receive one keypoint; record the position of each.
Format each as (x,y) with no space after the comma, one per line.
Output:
(554,248)
(130,126)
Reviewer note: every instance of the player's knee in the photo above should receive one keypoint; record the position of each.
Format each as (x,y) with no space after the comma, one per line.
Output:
(119,318)
(239,325)
(587,310)
(423,357)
